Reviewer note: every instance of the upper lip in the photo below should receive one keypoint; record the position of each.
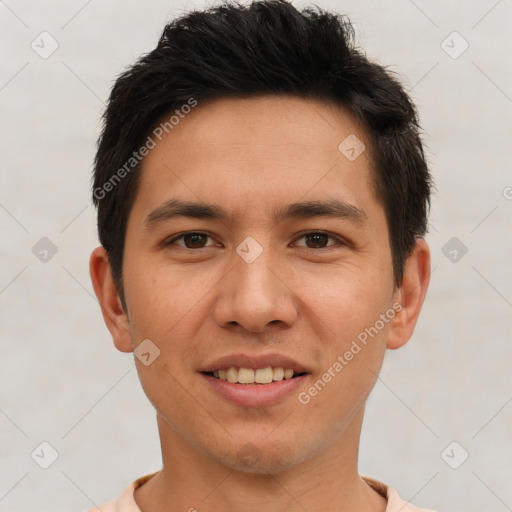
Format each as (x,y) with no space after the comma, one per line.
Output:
(254,361)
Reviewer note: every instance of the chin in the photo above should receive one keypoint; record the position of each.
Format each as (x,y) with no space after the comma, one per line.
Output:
(262,458)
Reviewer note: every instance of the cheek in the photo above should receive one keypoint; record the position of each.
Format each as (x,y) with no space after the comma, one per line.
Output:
(170,306)
(159,297)
(347,309)
(347,299)
(347,377)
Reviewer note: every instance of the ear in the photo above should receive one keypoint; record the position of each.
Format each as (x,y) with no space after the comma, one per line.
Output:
(410,295)
(114,315)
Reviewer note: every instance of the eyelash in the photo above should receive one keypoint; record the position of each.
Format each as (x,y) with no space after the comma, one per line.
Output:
(329,235)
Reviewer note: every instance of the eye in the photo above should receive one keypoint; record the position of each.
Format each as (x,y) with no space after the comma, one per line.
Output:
(192,240)
(319,240)
(198,240)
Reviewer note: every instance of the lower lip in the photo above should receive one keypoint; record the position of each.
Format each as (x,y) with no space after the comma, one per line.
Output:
(256,395)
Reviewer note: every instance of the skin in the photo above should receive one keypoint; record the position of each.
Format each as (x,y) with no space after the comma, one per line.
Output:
(297,298)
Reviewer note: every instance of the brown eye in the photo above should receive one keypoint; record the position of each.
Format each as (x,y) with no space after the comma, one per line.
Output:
(318,240)
(194,240)
(190,240)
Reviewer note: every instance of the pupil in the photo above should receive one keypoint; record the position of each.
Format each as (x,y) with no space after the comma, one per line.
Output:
(318,238)
(194,239)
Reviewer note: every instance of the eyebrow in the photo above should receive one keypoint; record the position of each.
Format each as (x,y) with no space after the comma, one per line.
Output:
(199,210)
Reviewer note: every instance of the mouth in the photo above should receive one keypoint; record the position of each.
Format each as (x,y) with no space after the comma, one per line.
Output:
(262,376)
(255,380)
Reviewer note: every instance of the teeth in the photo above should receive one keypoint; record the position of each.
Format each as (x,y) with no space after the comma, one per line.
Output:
(264,375)
(278,374)
(232,375)
(250,376)
(246,376)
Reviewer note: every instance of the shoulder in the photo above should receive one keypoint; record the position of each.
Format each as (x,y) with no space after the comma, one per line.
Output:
(109,506)
(395,503)
(125,502)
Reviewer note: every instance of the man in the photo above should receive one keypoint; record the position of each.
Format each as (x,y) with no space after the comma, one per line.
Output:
(262,196)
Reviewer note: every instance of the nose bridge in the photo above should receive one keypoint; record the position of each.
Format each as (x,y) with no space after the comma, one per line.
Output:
(252,295)
(256,278)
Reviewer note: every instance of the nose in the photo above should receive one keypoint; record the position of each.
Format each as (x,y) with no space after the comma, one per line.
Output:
(256,294)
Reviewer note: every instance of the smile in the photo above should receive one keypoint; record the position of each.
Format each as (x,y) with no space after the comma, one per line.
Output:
(265,375)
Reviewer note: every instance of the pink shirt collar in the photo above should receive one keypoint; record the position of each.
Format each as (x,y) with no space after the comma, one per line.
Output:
(126,502)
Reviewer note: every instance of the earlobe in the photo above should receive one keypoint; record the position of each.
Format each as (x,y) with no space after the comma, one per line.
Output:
(410,295)
(105,289)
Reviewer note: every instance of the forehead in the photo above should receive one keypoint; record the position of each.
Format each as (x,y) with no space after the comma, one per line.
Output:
(247,152)
(252,126)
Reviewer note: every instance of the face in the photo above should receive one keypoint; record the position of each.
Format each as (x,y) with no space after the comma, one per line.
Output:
(256,243)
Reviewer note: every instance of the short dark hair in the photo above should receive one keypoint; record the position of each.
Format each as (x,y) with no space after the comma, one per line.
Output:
(267,47)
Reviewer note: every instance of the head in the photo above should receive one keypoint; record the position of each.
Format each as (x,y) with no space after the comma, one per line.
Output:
(279,126)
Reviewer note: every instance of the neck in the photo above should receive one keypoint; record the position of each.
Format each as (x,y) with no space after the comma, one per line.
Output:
(191,480)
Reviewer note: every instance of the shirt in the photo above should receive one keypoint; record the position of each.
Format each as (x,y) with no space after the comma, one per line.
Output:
(126,502)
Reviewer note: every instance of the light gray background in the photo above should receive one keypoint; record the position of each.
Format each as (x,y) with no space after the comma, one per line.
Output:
(62,380)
